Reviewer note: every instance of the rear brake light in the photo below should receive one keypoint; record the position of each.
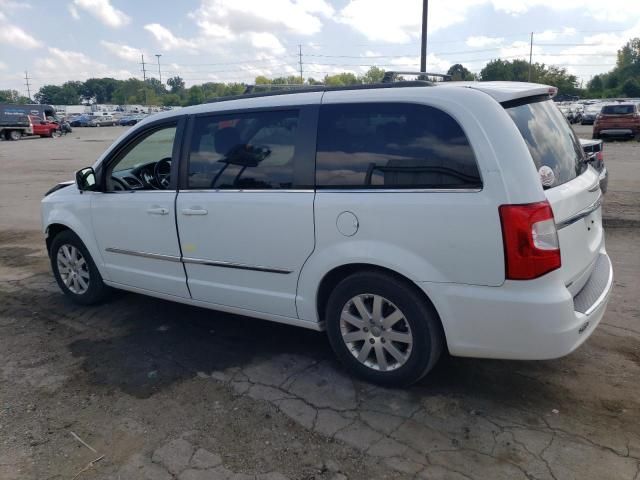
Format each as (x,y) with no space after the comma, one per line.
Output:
(530,238)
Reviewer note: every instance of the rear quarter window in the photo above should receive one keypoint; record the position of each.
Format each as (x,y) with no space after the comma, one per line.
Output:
(550,139)
(392,145)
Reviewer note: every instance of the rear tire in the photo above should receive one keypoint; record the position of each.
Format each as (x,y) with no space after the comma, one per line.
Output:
(382,329)
(14,135)
(75,271)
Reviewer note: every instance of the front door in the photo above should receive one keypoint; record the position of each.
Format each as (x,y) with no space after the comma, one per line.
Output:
(245,214)
(134,217)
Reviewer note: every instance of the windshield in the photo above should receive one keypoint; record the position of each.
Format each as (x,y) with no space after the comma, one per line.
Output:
(617,109)
(551,141)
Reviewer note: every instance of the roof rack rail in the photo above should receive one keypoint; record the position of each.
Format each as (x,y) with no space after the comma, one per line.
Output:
(323,88)
(391,76)
(277,86)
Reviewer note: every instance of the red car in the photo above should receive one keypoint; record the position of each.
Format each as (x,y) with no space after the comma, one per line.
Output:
(44,128)
(619,120)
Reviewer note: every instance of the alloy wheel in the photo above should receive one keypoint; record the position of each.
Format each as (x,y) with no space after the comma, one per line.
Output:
(376,332)
(73,269)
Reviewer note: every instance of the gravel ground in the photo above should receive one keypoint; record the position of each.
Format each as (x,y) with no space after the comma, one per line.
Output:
(165,391)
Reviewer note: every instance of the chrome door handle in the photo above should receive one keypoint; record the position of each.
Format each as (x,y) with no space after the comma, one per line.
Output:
(194,211)
(158,211)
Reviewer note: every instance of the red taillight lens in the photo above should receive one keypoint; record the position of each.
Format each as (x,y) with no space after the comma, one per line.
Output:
(531,246)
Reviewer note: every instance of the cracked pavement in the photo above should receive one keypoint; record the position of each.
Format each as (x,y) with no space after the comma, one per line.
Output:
(167,391)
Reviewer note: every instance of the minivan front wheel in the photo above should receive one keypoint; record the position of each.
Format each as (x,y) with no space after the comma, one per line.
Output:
(382,329)
(74,270)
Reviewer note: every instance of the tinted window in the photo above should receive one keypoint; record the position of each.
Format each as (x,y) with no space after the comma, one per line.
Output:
(244,151)
(551,140)
(618,109)
(392,145)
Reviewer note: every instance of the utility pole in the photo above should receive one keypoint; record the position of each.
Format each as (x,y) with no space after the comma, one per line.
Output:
(159,73)
(144,72)
(423,46)
(530,55)
(300,61)
(26,79)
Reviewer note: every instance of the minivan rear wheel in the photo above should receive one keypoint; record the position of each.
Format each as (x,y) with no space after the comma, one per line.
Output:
(75,271)
(382,329)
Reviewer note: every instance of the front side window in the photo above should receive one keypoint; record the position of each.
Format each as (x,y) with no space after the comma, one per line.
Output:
(146,165)
(392,145)
(243,151)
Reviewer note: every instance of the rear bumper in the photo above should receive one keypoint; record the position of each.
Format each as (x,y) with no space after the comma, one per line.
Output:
(530,320)
(615,132)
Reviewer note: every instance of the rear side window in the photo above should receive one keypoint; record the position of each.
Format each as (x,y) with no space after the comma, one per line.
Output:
(392,145)
(618,109)
(243,151)
(551,140)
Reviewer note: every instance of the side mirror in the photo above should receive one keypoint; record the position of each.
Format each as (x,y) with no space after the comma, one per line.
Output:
(86,179)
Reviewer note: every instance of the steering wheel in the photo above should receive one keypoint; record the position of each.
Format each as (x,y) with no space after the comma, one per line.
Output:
(119,184)
(162,173)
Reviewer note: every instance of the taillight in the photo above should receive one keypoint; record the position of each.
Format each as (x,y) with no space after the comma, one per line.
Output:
(531,246)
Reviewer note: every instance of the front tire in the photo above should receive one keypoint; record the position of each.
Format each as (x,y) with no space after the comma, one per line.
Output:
(75,271)
(382,329)
(15,135)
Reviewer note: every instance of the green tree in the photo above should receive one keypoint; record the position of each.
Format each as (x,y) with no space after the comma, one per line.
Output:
(595,85)
(99,90)
(13,96)
(373,75)
(341,79)
(631,88)
(459,72)
(176,84)
(195,95)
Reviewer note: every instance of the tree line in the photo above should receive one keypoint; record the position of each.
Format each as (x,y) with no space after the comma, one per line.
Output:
(622,80)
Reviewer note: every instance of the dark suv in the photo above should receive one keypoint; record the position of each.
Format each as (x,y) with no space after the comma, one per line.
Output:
(620,120)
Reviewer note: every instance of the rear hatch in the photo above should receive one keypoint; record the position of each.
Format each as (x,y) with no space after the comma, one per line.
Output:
(617,116)
(570,184)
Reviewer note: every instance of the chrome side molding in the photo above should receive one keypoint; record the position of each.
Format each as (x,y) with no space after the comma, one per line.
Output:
(199,261)
(155,256)
(239,266)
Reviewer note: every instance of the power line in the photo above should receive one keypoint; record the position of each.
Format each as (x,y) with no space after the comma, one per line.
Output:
(158,55)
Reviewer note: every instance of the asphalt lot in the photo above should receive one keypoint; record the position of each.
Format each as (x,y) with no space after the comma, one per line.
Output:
(166,391)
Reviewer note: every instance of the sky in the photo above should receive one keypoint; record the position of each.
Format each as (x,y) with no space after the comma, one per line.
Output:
(236,40)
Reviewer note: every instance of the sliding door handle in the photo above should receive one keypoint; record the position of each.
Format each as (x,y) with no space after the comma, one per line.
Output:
(194,211)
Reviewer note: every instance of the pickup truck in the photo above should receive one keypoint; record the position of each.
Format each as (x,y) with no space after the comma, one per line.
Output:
(13,128)
(44,128)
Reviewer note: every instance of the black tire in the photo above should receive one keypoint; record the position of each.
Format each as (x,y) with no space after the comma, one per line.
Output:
(14,135)
(419,314)
(97,291)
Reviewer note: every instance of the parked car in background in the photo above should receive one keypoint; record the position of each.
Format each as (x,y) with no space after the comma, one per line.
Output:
(620,120)
(80,121)
(576,113)
(594,150)
(131,119)
(102,121)
(44,128)
(590,114)
(327,209)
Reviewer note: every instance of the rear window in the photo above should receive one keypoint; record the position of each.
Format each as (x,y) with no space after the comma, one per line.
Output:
(618,109)
(551,141)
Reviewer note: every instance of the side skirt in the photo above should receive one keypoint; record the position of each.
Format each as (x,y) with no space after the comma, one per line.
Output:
(223,308)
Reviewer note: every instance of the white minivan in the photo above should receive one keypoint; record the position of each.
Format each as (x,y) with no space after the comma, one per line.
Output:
(402,218)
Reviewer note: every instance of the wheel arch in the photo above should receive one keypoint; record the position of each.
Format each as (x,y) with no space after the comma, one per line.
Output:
(339,273)
(52,231)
